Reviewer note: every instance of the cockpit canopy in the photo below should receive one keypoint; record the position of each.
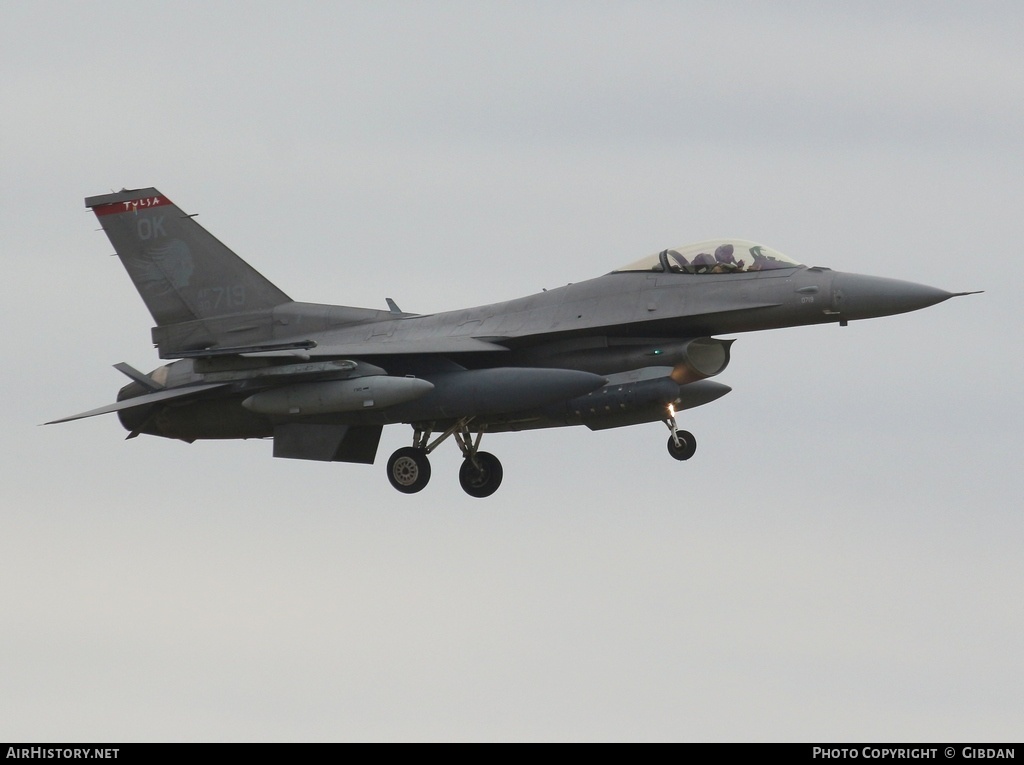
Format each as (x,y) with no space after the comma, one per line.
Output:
(716,256)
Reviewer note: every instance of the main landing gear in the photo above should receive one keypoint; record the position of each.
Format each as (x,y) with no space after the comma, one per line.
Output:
(480,474)
(681,444)
(409,469)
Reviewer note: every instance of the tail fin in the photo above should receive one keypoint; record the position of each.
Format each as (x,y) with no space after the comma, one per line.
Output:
(183,273)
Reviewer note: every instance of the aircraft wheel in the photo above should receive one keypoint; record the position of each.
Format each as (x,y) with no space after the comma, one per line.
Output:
(484,480)
(687,445)
(409,469)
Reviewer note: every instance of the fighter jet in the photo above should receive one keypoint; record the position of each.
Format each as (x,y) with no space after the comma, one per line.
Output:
(635,345)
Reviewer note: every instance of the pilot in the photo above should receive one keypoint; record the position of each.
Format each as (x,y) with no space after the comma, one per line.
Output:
(726,261)
(703,263)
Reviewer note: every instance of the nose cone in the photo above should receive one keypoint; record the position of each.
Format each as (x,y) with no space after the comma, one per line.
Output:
(862,297)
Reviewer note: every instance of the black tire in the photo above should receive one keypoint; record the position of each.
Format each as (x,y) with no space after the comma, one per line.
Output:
(484,480)
(687,445)
(409,469)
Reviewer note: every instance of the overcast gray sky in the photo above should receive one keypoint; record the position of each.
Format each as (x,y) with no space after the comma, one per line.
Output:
(840,561)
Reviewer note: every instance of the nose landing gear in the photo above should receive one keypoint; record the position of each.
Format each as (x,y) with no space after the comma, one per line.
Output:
(681,444)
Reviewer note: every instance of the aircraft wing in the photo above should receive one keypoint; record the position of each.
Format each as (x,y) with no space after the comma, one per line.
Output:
(430,345)
(144,400)
(384,347)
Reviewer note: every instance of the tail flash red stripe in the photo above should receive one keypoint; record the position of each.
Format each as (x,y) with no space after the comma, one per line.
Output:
(132,205)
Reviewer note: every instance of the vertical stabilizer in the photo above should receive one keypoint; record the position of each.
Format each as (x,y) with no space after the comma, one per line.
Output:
(182,272)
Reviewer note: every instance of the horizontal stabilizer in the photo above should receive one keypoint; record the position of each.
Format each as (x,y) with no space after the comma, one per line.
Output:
(144,400)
